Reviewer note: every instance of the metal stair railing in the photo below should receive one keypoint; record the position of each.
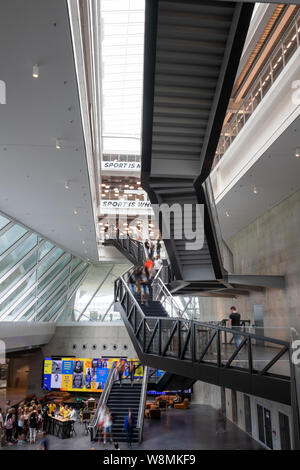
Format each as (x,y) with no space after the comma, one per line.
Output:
(141,415)
(135,248)
(93,426)
(196,344)
(162,294)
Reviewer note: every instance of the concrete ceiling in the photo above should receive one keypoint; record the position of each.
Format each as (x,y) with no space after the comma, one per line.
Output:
(37,112)
(276,177)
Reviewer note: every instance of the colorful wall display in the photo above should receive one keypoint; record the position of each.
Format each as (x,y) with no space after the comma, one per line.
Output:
(80,374)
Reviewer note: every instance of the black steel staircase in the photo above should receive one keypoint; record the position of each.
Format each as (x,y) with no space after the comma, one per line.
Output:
(132,249)
(195,350)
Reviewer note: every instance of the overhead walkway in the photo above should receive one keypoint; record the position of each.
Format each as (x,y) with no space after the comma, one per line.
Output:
(191,58)
(195,350)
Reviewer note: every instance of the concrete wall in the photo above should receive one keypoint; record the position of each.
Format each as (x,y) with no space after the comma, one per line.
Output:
(269,245)
(271,406)
(90,334)
(206,394)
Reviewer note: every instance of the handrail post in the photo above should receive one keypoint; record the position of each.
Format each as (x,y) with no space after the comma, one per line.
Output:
(219,359)
(178,339)
(250,359)
(159,336)
(193,341)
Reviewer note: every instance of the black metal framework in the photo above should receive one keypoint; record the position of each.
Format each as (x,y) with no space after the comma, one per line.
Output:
(132,249)
(195,349)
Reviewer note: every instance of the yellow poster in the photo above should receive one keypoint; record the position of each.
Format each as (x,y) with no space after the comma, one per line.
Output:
(48,366)
(66,382)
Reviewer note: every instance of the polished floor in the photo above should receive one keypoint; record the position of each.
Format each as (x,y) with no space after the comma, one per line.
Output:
(201,427)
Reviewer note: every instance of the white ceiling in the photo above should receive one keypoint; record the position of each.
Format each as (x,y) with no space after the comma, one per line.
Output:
(37,112)
(276,177)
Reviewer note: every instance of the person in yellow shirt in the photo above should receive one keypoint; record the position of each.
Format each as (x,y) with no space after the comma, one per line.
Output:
(66,411)
(61,410)
(52,408)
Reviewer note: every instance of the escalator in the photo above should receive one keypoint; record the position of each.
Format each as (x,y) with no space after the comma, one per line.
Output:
(119,400)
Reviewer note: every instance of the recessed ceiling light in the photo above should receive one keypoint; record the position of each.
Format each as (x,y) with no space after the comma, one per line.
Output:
(80,228)
(67,186)
(255,190)
(83,242)
(57,145)
(227,214)
(75,211)
(35,71)
(297,152)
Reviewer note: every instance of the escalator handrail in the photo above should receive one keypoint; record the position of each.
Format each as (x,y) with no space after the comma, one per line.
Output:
(141,415)
(102,401)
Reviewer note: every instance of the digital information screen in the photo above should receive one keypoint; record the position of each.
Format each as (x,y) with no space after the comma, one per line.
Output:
(80,374)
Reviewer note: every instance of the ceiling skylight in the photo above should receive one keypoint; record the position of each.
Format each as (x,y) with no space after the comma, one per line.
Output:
(122,51)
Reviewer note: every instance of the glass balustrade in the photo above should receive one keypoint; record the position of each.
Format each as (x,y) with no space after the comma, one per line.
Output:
(280,57)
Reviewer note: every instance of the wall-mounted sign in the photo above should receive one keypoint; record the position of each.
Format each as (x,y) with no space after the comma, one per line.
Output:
(121,166)
(129,207)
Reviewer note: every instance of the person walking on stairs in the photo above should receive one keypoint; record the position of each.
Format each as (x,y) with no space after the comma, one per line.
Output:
(107,426)
(129,426)
(120,369)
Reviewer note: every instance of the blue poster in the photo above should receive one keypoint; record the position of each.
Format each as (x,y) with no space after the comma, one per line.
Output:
(47,382)
(67,367)
(102,375)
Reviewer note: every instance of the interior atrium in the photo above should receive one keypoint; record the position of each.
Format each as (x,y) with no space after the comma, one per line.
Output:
(149,225)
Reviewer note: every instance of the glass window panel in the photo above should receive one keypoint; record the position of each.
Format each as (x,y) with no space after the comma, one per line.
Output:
(61,278)
(22,305)
(18,254)
(51,302)
(55,309)
(75,263)
(45,248)
(290,44)
(277,63)
(17,293)
(77,274)
(10,237)
(49,261)
(3,221)
(18,273)
(53,273)
(266,80)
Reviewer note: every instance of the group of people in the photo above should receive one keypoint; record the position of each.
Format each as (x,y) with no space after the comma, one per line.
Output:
(141,277)
(152,248)
(121,368)
(105,426)
(24,423)
(21,423)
